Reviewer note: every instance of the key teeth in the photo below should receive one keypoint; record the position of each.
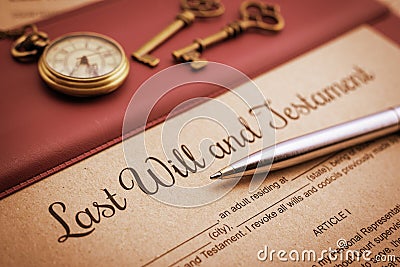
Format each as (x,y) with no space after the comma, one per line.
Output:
(146,59)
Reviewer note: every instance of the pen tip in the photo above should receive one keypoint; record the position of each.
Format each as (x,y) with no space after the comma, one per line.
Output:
(216,175)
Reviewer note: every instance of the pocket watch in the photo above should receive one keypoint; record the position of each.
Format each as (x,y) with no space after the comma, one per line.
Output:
(83,64)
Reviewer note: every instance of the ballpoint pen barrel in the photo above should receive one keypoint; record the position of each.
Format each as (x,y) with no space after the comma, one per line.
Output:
(335,138)
(316,144)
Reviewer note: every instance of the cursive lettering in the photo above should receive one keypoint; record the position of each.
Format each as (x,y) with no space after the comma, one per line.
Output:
(305,105)
(85,218)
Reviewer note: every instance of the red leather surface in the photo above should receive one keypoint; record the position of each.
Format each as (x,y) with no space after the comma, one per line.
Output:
(43,131)
(390,26)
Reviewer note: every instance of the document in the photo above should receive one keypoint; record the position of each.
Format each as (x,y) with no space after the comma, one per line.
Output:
(121,207)
(16,13)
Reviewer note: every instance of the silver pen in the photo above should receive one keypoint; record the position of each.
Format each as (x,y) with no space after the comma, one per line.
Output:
(315,144)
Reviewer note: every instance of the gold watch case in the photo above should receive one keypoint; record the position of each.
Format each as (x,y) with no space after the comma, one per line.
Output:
(84,64)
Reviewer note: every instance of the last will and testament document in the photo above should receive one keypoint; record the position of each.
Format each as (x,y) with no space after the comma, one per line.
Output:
(105,211)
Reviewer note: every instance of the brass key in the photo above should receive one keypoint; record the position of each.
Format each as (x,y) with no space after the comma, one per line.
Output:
(191,10)
(254,15)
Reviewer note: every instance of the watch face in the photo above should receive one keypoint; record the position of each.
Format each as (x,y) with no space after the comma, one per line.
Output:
(83,56)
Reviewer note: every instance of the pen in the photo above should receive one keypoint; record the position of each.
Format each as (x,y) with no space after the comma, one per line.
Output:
(315,144)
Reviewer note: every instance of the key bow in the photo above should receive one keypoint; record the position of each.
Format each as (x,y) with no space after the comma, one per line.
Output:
(30,45)
(203,8)
(260,15)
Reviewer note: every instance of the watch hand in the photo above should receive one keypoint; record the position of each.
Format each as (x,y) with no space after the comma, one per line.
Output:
(75,68)
(93,70)
(83,61)
(96,53)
